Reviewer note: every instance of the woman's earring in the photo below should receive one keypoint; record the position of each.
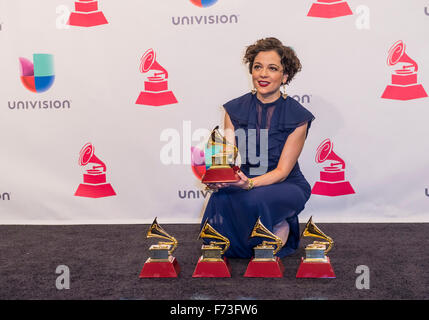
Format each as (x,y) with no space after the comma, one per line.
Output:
(284,94)
(254,91)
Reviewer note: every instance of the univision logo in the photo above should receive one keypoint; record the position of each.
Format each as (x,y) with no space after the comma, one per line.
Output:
(205,19)
(305,98)
(204,3)
(193,194)
(5,196)
(212,19)
(38,76)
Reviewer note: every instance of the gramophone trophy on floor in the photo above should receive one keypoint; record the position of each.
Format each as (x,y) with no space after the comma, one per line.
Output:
(264,264)
(161,263)
(316,264)
(223,156)
(86,14)
(156,91)
(332,178)
(329,9)
(94,180)
(211,264)
(404,80)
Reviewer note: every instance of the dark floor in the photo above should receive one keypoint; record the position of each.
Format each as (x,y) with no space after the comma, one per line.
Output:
(105,262)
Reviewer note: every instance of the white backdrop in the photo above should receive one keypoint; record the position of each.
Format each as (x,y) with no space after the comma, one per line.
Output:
(382,141)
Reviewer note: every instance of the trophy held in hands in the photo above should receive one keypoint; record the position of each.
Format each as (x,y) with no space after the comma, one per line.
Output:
(160,264)
(211,264)
(223,156)
(265,264)
(316,264)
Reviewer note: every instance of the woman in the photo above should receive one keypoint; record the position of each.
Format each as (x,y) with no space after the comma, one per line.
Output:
(274,127)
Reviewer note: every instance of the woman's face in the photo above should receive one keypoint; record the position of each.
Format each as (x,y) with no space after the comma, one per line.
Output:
(267,75)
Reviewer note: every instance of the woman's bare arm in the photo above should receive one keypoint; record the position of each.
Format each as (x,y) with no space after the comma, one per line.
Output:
(290,153)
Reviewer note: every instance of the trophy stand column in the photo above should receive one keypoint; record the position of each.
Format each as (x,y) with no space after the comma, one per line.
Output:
(211,264)
(259,268)
(315,269)
(160,264)
(212,269)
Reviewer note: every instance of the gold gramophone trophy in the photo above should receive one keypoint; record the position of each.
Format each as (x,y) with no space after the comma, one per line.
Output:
(316,264)
(160,264)
(223,168)
(211,264)
(264,264)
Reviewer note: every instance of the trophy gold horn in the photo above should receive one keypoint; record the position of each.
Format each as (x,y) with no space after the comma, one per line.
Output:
(156,231)
(259,230)
(207,231)
(311,230)
(217,139)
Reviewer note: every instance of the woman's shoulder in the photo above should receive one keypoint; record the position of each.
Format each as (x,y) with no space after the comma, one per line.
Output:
(292,105)
(239,100)
(238,108)
(293,113)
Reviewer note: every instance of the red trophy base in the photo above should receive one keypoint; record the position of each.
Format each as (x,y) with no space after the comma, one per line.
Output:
(90,19)
(212,269)
(328,9)
(95,191)
(404,92)
(162,269)
(332,189)
(156,98)
(214,175)
(315,270)
(265,269)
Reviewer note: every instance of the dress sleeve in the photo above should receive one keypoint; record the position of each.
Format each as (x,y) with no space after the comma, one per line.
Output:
(294,115)
(238,110)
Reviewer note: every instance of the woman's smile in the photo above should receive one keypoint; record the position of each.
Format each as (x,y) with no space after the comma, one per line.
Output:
(263,83)
(267,75)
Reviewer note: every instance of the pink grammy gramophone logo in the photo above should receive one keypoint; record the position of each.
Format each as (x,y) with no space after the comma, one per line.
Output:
(155,91)
(332,179)
(404,84)
(94,180)
(86,14)
(329,9)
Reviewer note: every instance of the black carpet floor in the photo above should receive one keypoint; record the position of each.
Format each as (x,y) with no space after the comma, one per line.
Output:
(105,262)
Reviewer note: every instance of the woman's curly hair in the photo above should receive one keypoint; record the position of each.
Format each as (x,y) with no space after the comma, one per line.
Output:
(290,62)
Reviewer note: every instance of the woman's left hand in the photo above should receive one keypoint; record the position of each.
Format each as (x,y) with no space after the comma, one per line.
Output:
(243,183)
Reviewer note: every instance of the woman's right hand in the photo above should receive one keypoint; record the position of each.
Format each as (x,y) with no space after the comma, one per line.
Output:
(216,186)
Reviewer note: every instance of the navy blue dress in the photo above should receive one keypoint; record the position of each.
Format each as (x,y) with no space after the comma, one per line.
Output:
(233,211)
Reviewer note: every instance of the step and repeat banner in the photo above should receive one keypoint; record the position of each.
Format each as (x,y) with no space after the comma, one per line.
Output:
(102,101)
